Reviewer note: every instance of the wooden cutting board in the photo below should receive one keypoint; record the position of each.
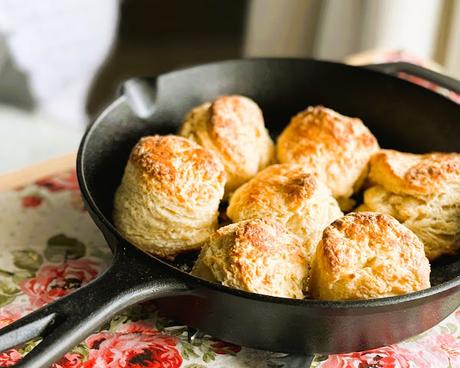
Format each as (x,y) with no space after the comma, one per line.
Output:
(29,174)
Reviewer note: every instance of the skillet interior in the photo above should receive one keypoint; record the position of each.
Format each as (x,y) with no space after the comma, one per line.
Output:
(402,116)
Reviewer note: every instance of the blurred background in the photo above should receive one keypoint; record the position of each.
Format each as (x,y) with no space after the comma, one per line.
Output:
(62,61)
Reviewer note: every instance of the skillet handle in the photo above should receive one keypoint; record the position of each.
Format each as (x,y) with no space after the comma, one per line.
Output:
(418,71)
(131,278)
(141,95)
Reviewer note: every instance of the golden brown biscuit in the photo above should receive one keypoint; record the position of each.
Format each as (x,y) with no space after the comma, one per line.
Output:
(368,255)
(259,256)
(290,194)
(422,192)
(233,127)
(337,147)
(168,199)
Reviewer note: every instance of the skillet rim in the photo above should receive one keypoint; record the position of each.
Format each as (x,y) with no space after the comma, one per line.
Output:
(190,279)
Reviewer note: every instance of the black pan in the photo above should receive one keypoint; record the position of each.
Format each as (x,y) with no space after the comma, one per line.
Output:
(402,115)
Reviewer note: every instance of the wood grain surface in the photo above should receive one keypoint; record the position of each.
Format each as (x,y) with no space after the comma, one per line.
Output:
(31,173)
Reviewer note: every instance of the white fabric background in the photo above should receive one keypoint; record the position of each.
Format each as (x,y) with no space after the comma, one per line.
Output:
(60,45)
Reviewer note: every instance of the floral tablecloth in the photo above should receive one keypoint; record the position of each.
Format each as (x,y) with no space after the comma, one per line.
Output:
(50,247)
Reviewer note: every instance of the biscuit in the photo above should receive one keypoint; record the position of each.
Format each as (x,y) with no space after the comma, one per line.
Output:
(258,256)
(337,147)
(368,255)
(233,127)
(290,194)
(168,199)
(422,192)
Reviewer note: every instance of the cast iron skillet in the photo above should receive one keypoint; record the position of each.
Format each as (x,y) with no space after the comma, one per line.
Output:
(402,115)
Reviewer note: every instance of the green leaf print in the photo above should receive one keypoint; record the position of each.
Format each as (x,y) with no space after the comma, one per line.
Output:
(6,273)
(22,275)
(28,346)
(7,293)
(208,356)
(195,365)
(8,290)
(60,247)
(117,321)
(318,360)
(27,259)
(81,349)
(187,350)
(6,299)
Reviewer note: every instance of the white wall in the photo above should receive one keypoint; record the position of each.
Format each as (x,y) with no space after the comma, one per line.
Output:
(333,29)
(411,25)
(452,62)
(280,28)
